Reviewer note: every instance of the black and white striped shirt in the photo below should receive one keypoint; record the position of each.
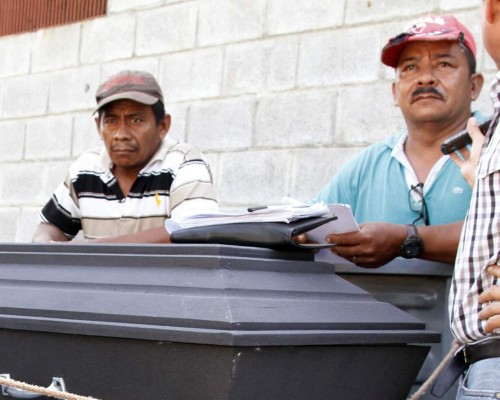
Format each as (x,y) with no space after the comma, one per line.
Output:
(480,241)
(176,181)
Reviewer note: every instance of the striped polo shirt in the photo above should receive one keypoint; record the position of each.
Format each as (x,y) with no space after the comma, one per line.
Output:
(176,181)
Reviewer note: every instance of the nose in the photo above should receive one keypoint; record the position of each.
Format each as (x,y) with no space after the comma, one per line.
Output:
(426,76)
(121,132)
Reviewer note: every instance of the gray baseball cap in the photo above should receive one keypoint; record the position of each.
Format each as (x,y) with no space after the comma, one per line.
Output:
(139,86)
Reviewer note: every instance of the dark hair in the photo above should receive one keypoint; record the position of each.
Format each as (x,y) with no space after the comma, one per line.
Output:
(158,111)
(471,60)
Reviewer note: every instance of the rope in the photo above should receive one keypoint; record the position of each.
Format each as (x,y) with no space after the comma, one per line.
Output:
(41,390)
(430,380)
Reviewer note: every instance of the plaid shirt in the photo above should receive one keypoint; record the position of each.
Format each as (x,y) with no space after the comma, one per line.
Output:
(480,241)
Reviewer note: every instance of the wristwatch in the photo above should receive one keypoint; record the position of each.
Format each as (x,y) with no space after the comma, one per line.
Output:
(412,247)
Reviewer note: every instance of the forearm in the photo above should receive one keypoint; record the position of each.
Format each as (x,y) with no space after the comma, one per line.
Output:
(154,235)
(440,241)
(46,233)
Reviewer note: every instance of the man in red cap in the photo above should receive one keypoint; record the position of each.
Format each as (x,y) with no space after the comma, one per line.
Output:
(124,191)
(405,182)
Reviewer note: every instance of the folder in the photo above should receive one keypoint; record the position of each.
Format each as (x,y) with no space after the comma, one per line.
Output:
(274,235)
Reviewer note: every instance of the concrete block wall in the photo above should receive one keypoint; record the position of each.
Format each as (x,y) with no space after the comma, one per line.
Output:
(278,94)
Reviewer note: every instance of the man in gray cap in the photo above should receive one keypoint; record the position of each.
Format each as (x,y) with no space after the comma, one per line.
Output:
(124,191)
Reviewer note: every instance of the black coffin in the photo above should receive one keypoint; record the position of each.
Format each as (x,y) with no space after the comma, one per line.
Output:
(199,322)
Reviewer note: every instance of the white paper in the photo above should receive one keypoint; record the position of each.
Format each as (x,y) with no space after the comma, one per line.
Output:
(280,213)
(344,223)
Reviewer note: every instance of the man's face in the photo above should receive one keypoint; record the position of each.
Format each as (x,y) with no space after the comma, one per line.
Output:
(130,134)
(433,82)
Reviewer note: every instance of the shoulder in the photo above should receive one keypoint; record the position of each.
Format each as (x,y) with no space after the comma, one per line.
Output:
(89,161)
(183,152)
(374,153)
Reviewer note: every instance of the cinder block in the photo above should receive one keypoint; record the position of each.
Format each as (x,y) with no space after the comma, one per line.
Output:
(25,96)
(74,89)
(252,177)
(360,11)
(16,54)
(20,183)
(85,134)
(12,139)
(166,29)
(118,6)
(261,66)
(56,48)
(48,138)
(178,113)
(28,222)
(1,98)
(191,75)
(450,5)
(108,38)
(224,21)
(379,118)
(329,59)
(471,19)
(149,64)
(298,119)
(221,125)
(52,174)
(313,168)
(9,222)
(286,16)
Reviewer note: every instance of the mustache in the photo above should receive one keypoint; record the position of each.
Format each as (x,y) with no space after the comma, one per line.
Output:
(123,148)
(426,90)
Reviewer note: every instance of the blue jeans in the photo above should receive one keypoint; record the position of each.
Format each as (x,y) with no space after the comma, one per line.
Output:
(481,381)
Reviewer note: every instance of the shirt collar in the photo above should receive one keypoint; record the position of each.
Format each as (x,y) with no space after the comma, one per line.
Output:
(107,164)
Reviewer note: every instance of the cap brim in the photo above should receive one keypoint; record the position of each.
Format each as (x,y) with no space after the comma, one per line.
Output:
(391,51)
(139,97)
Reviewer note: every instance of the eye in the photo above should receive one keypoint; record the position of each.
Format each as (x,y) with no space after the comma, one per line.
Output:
(409,67)
(109,120)
(136,120)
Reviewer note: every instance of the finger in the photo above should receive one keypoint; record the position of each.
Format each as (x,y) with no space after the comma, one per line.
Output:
(345,239)
(473,128)
(492,324)
(302,238)
(492,294)
(494,270)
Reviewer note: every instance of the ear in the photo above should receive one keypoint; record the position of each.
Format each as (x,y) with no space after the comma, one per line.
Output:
(164,126)
(394,94)
(491,10)
(97,126)
(477,82)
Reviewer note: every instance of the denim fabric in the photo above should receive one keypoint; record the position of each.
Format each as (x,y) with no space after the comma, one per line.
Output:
(481,381)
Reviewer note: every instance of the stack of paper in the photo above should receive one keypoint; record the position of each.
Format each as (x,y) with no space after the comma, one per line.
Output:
(281,213)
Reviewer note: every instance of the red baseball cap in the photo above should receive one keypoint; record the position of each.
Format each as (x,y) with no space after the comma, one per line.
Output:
(429,28)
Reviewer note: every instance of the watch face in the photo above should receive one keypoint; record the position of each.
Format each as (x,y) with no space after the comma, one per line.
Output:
(412,248)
